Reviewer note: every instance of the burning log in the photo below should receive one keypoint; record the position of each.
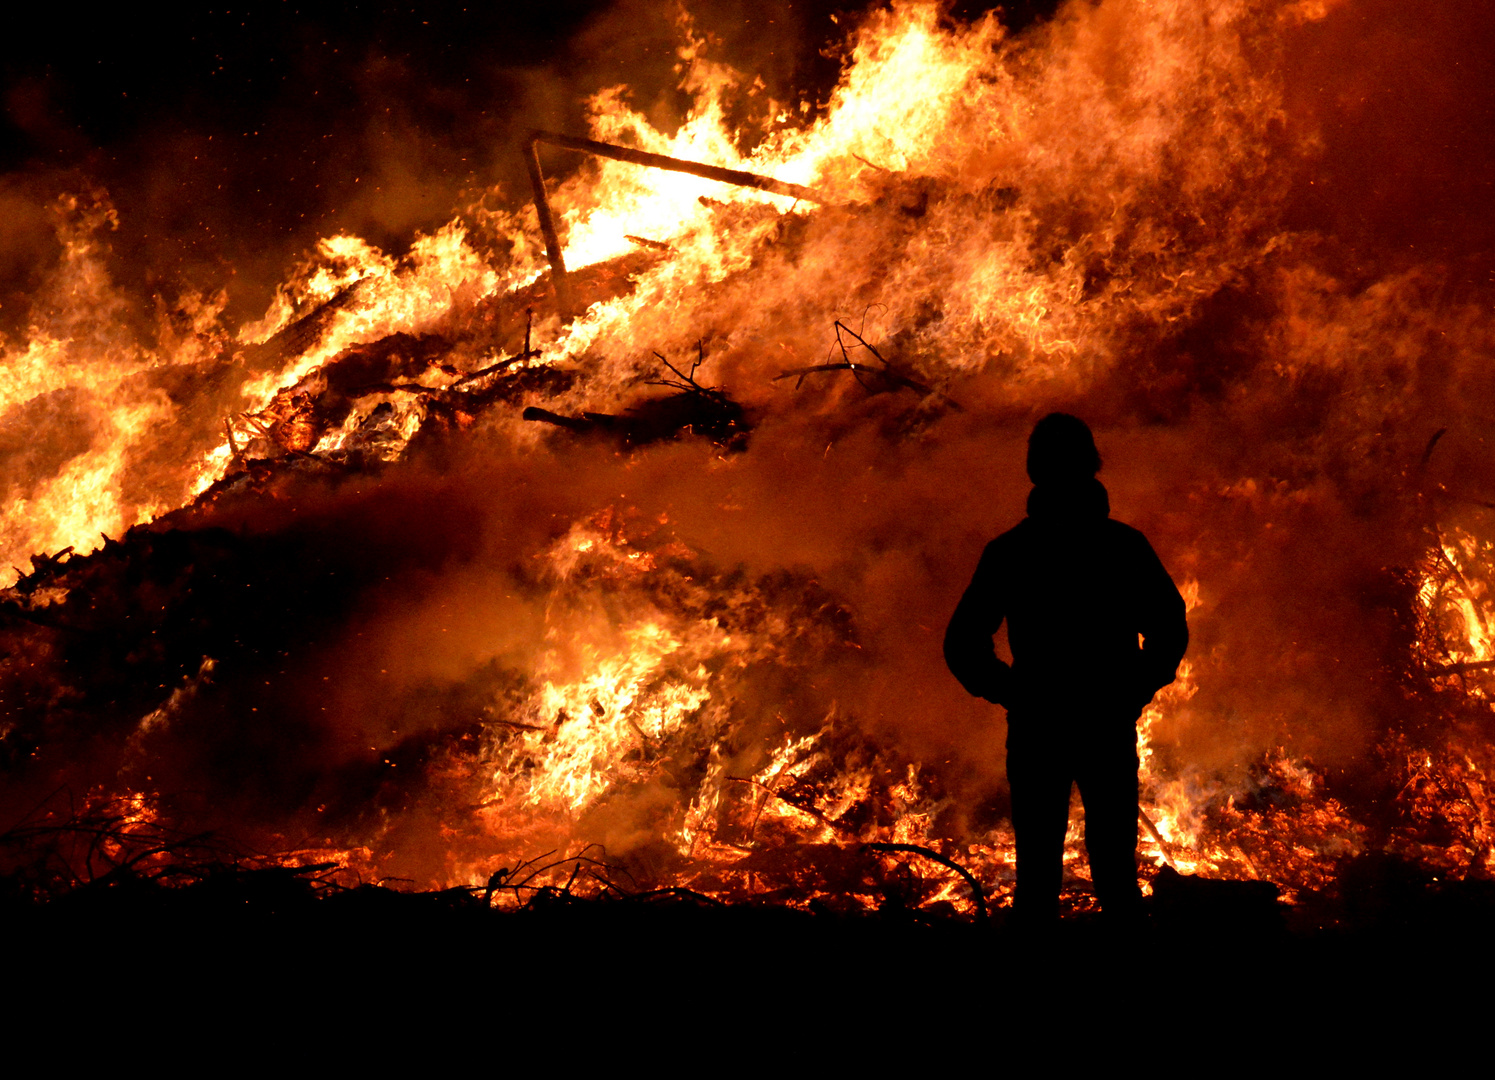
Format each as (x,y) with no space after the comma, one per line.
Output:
(656,420)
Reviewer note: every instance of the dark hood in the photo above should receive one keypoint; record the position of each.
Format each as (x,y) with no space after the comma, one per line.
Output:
(1085,500)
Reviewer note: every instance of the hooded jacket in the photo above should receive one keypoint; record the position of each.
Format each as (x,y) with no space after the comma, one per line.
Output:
(1078,591)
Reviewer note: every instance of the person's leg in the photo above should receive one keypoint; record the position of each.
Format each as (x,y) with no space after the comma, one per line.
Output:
(1107,777)
(1040,815)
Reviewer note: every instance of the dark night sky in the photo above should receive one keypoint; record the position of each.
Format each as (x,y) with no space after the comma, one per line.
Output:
(229,139)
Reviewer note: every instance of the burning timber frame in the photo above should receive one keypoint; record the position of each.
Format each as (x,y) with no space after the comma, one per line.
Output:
(637,157)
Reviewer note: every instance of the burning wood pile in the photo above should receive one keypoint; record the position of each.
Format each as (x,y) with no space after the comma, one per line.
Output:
(601,545)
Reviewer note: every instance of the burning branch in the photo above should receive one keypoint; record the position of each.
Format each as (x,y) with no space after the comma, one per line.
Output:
(687,380)
(888,372)
(587,422)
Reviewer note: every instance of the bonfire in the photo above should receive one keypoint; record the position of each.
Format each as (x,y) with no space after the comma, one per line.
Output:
(600,543)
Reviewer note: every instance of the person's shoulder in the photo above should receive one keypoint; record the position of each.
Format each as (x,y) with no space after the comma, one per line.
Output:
(1121,536)
(1122,531)
(1018,534)
(1130,543)
(1007,542)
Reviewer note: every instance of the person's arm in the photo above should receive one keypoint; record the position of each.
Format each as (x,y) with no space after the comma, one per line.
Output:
(970,651)
(1164,624)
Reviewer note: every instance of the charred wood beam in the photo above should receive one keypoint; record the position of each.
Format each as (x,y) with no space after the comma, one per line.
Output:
(552,237)
(674,164)
(553,252)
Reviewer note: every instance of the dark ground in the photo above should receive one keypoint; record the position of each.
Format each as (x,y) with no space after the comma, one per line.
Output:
(244,933)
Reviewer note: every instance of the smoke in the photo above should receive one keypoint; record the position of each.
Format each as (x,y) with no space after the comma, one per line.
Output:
(1396,100)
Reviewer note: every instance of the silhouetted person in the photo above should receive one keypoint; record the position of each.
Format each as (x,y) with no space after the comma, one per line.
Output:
(1077,589)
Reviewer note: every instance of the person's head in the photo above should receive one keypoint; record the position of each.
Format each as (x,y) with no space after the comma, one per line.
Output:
(1061,450)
